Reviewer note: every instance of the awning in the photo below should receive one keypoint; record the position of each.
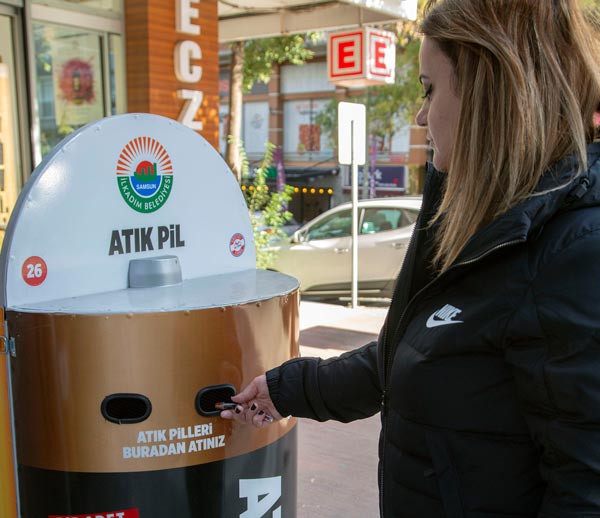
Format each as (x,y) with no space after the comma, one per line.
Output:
(299,173)
(250,19)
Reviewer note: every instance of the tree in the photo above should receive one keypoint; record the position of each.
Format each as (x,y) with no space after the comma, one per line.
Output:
(267,209)
(253,61)
(233,154)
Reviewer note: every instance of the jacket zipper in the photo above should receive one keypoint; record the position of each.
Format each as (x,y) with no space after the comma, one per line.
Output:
(383,393)
(388,355)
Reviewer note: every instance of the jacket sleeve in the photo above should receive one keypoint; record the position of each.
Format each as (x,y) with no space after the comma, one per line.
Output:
(343,388)
(555,353)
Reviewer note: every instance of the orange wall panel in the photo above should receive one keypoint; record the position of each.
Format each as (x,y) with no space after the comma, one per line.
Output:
(8,497)
(152,84)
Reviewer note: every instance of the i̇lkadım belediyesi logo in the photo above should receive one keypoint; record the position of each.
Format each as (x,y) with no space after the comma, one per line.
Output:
(144,174)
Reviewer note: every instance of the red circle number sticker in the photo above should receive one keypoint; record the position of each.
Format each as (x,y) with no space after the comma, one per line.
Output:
(34,270)
(237,245)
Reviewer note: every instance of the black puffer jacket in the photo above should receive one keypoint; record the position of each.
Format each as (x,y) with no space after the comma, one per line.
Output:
(488,376)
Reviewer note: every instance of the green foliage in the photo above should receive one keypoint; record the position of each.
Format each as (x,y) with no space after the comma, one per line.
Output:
(260,56)
(267,208)
(327,120)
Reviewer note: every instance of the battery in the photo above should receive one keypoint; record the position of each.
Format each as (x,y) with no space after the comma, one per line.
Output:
(133,305)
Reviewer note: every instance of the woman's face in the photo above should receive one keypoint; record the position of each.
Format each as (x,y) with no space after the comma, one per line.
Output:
(441,106)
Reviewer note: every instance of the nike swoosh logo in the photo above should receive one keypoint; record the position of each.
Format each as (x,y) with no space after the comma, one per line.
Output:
(432,321)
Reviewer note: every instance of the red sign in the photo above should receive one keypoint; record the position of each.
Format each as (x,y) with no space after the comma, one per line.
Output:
(34,270)
(381,44)
(127,513)
(361,57)
(237,245)
(345,55)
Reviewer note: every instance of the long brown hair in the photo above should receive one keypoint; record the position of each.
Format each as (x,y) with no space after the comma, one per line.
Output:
(528,75)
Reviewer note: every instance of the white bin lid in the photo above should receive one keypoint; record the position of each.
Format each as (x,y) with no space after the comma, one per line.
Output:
(129,187)
(202,293)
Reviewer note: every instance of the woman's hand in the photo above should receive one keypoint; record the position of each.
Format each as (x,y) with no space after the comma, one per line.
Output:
(254,405)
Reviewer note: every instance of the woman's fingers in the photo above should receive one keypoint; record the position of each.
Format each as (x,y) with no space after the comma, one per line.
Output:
(261,419)
(253,415)
(254,405)
(248,394)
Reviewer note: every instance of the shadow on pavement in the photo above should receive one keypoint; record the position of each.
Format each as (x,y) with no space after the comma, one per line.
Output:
(325,337)
(337,463)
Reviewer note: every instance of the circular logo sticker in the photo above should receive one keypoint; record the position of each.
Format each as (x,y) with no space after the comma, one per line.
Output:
(144,174)
(34,270)
(237,245)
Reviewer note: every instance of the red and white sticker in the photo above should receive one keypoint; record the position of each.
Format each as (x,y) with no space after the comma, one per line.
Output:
(34,270)
(237,245)
(127,513)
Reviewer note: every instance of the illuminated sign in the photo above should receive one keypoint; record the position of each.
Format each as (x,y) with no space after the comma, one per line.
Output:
(361,57)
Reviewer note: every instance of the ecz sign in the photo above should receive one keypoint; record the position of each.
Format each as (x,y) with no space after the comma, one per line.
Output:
(187,70)
(361,57)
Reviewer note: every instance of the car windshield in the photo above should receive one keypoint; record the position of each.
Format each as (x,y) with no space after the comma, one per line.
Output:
(332,226)
(381,219)
(374,220)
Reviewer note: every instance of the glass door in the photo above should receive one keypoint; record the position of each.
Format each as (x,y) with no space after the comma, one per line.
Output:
(79,76)
(10,183)
(10,145)
(69,81)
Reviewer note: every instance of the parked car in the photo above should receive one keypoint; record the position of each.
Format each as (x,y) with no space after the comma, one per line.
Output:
(319,254)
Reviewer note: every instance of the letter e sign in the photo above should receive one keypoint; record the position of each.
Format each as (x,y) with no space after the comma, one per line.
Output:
(346,55)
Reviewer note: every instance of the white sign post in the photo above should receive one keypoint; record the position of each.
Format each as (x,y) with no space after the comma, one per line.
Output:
(351,151)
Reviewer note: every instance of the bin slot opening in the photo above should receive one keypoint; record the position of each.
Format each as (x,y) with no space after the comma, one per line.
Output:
(126,408)
(208,396)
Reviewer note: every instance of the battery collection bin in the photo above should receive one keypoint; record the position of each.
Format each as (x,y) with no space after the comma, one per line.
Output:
(132,305)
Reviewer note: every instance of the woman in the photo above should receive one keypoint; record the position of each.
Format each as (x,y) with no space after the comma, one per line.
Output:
(487,370)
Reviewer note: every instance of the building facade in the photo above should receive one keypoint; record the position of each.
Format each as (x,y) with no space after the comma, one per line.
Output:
(65,63)
(284,113)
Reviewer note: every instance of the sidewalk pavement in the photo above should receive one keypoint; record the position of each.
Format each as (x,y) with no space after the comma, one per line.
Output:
(328,329)
(337,463)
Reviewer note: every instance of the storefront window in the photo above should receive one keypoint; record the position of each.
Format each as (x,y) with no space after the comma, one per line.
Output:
(255,129)
(303,138)
(75,85)
(10,164)
(310,77)
(98,6)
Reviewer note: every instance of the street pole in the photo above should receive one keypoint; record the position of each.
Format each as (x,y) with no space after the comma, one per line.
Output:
(351,151)
(354,180)
(366,168)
